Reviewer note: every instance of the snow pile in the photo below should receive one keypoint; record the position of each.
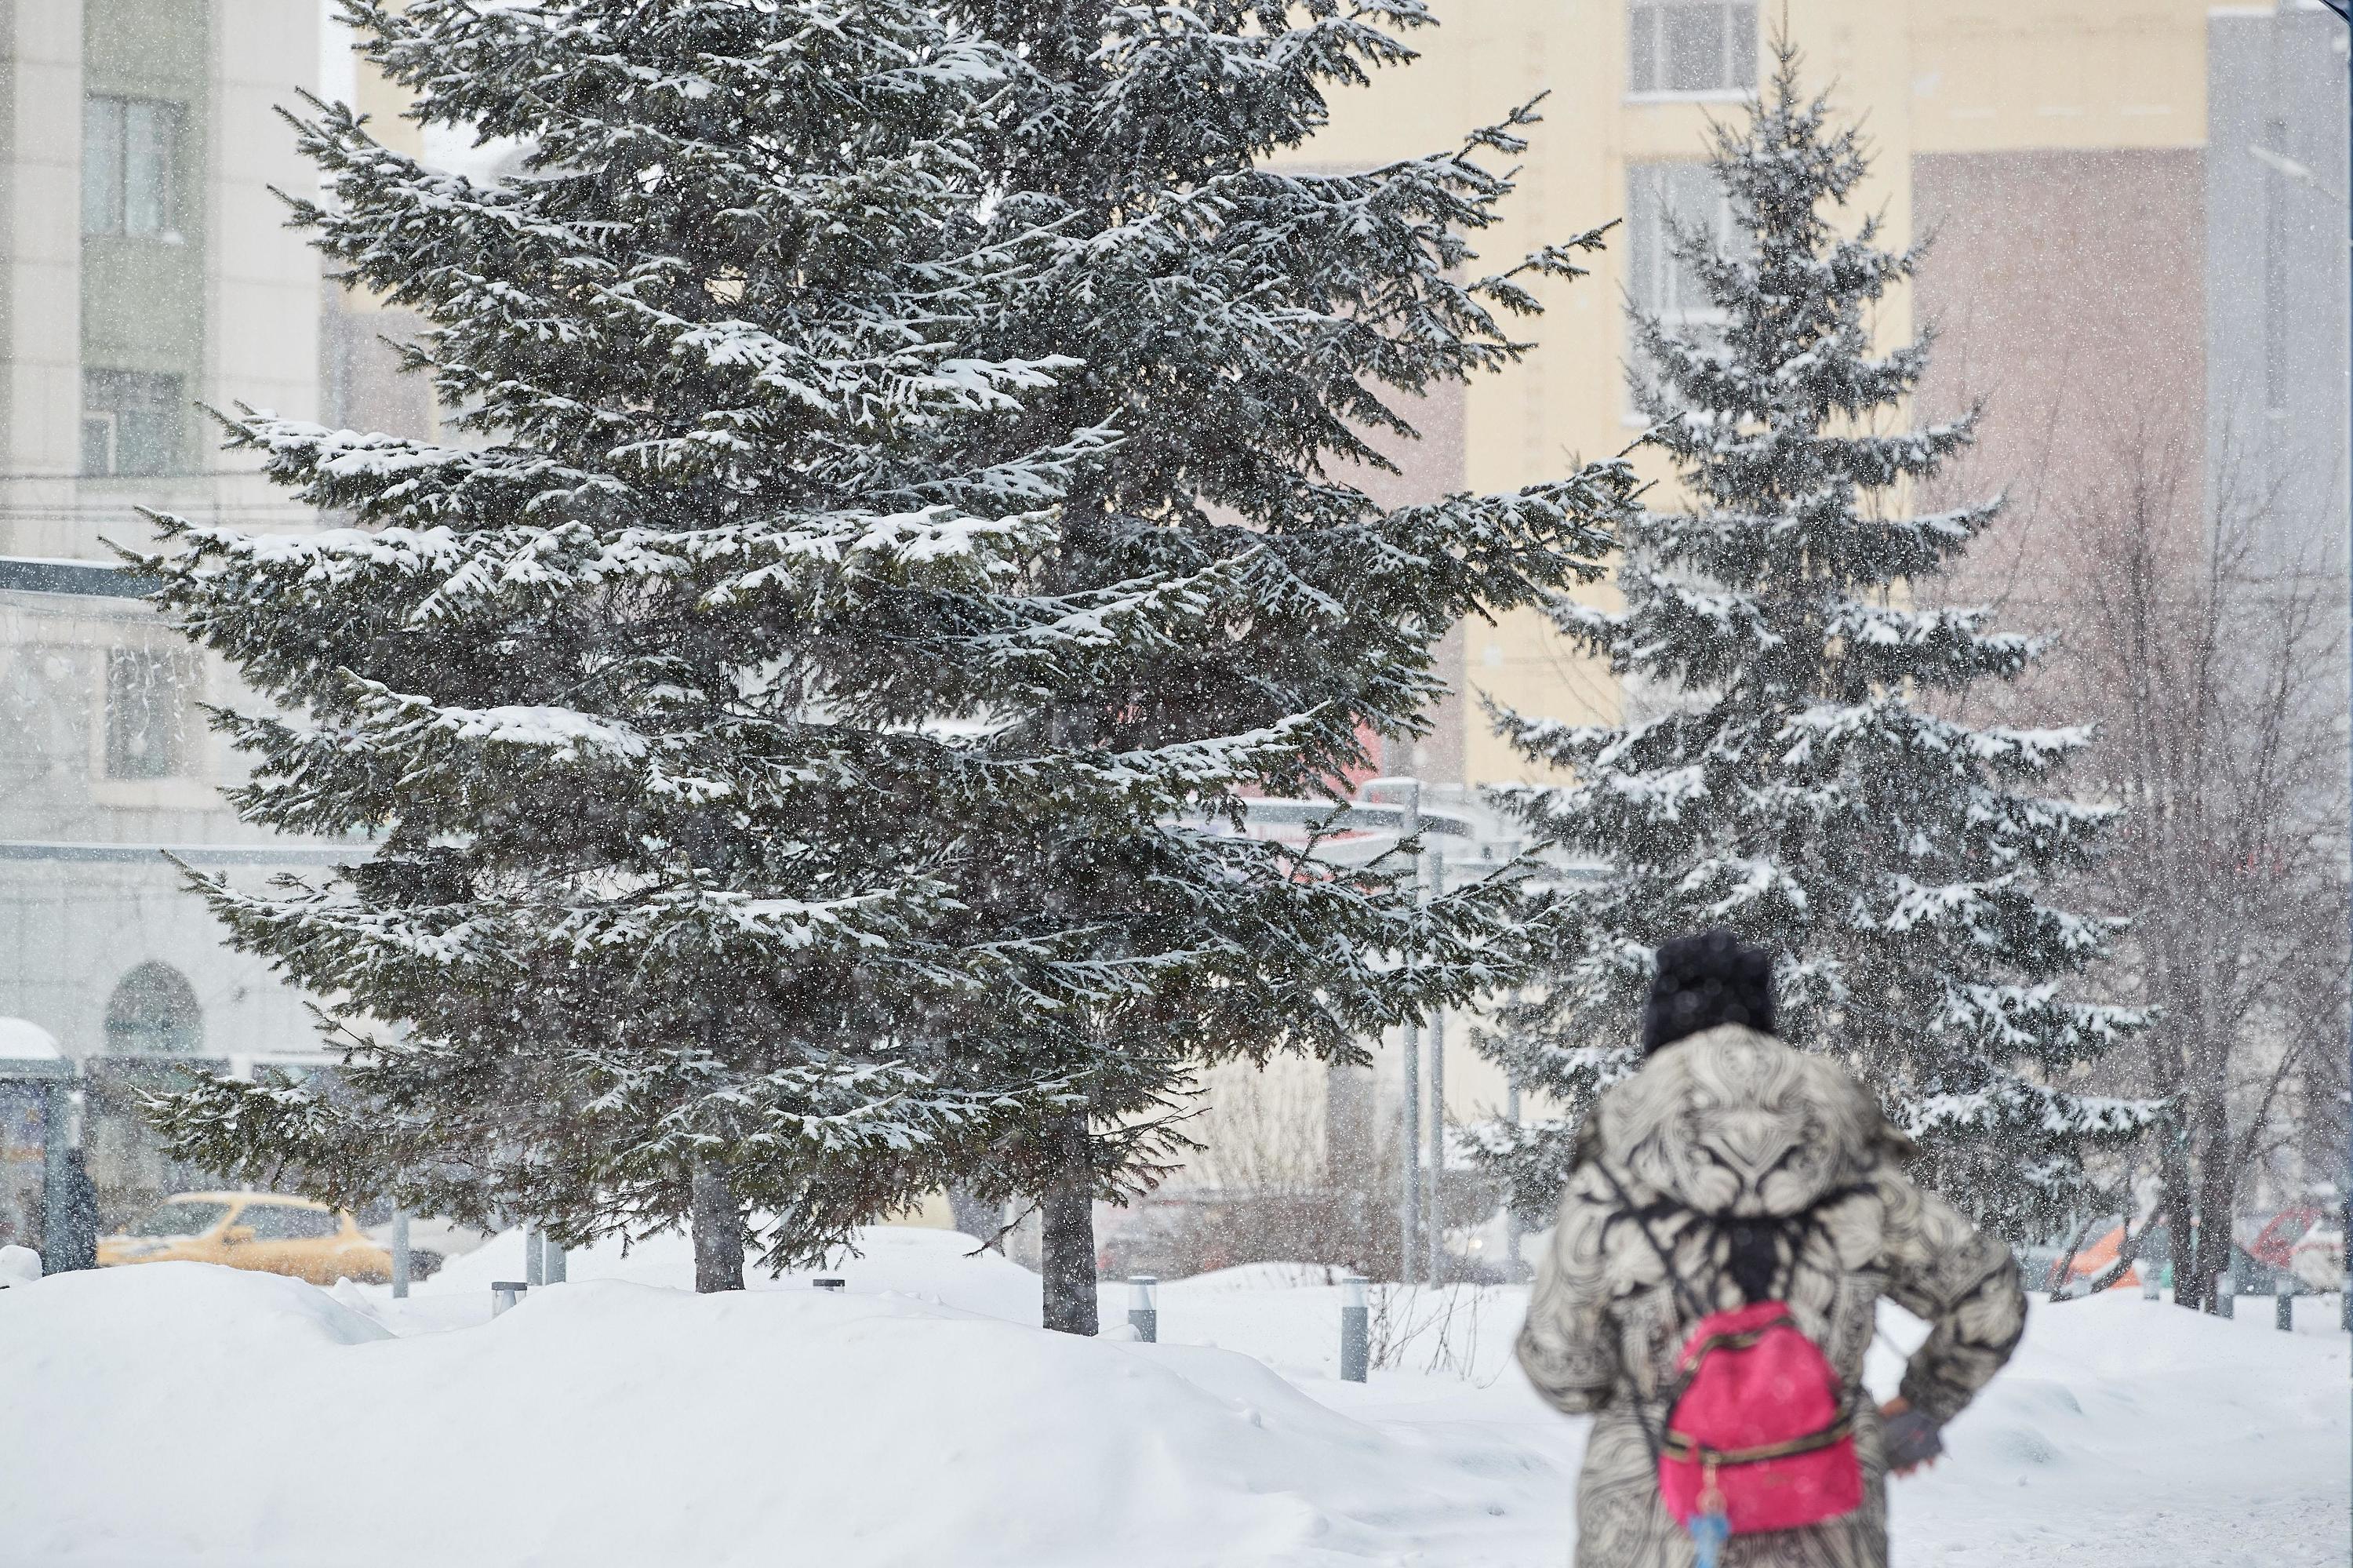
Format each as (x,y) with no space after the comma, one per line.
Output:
(2131,1431)
(936,1266)
(180,1412)
(154,1412)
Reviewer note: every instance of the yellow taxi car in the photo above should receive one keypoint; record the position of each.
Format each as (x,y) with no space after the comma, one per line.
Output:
(251,1230)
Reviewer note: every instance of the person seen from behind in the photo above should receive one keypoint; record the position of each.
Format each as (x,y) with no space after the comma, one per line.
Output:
(1733,1213)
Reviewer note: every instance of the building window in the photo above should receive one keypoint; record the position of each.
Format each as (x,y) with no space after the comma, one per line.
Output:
(1663,201)
(130,157)
(1690,47)
(154,1012)
(147,700)
(131,423)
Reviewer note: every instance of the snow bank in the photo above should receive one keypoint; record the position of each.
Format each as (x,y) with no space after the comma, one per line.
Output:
(146,1409)
(177,1412)
(1265,1277)
(933,1265)
(2131,1431)
(180,1412)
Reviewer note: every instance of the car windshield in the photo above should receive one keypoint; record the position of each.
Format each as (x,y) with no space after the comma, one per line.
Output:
(284,1222)
(180,1219)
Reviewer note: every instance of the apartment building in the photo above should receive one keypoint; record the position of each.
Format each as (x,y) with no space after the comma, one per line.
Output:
(145,270)
(2274,280)
(2099,279)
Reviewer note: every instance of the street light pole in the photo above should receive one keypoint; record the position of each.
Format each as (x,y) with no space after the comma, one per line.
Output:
(1409,1210)
(2343,11)
(1435,1210)
(1409,1207)
(1512,1215)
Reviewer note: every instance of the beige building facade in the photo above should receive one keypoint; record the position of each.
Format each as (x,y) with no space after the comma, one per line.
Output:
(2103,244)
(2055,147)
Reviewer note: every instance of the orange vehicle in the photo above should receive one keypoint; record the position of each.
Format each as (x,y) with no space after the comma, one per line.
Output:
(251,1230)
(2093,1259)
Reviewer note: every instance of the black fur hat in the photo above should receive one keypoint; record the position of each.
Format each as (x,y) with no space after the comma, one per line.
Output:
(1705,979)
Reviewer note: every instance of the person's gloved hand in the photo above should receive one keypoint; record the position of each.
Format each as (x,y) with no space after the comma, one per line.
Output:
(1911,1439)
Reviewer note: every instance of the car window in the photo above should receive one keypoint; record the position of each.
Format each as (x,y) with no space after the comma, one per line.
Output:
(180,1219)
(283,1222)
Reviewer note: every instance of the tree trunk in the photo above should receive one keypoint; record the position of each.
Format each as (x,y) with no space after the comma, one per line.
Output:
(2063,1270)
(2216,1192)
(1067,1234)
(718,1227)
(2175,1192)
(2178,1199)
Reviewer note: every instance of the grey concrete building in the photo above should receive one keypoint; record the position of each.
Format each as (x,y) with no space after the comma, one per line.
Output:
(144,270)
(2276,271)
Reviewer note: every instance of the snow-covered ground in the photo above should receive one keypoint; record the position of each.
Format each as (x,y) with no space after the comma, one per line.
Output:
(180,1413)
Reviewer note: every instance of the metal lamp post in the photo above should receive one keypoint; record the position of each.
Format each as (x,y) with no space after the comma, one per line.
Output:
(400,1259)
(1435,884)
(2343,11)
(1421,1231)
(1409,1203)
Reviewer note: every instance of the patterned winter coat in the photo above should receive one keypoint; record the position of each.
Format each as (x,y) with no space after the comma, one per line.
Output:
(1767,1173)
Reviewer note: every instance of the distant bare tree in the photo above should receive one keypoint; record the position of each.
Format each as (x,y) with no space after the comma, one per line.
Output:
(1293,1165)
(1262,1130)
(2215,649)
(1268,1184)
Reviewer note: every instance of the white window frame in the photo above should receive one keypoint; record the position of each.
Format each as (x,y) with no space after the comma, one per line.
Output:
(160,406)
(1646,39)
(116,129)
(98,424)
(1652,198)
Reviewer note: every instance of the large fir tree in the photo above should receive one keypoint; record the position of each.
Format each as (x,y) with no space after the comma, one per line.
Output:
(1252,333)
(1803,781)
(673,694)
(803,730)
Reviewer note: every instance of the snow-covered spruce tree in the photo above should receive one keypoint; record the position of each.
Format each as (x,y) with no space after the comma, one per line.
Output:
(1251,333)
(675,699)
(1803,785)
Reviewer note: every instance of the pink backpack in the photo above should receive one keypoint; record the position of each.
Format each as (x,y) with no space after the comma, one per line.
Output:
(1759,1428)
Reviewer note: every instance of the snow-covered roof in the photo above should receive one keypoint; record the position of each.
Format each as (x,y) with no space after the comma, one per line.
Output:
(22,1040)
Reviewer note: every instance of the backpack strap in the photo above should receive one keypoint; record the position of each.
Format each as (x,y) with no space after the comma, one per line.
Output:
(1656,1440)
(1684,1292)
(1792,1230)
(1814,1224)
(1808,1220)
